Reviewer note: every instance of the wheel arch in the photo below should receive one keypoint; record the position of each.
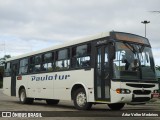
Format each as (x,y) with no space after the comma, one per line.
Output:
(76,87)
(20,88)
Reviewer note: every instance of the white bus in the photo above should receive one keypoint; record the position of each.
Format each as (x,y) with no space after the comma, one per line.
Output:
(112,68)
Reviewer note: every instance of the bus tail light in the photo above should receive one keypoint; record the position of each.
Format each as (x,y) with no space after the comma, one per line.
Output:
(123,91)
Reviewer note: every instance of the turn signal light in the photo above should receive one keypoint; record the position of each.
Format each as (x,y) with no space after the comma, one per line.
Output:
(123,91)
(118,91)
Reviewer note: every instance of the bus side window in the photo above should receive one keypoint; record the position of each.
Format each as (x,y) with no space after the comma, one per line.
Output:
(38,60)
(62,59)
(23,66)
(7,69)
(32,64)
(48,62)
(81,56)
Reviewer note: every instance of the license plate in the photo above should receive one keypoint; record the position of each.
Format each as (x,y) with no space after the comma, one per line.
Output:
(155,95)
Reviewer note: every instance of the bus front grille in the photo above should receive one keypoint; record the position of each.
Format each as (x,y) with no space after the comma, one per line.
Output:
(141,92)
(140,85)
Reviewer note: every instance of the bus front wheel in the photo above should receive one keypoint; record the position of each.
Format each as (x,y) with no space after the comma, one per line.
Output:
(116,106)
(23,99)
(80,100)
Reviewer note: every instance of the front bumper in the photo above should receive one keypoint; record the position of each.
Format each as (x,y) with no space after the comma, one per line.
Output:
(130,98)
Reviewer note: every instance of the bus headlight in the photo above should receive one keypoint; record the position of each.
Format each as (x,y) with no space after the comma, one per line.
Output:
(128,91)
(123,91)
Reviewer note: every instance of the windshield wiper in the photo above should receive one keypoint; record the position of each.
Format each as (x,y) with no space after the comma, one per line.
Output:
(130,47)
(141,48)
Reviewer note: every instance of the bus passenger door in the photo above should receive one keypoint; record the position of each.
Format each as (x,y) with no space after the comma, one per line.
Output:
(102,81)
(14,73)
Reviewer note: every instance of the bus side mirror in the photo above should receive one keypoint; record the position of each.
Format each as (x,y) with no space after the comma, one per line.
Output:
(112,51)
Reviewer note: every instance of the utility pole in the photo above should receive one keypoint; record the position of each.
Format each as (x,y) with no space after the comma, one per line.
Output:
(145,22)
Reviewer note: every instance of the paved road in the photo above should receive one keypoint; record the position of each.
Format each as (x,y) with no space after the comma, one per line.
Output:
(67,110)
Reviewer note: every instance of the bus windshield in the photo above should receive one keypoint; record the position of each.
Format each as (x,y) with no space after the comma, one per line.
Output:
(133,62)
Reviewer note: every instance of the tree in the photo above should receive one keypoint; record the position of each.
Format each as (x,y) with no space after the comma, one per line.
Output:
(2,63)
(2,60)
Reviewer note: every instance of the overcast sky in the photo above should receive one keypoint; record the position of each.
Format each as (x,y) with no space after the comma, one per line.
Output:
(29,25)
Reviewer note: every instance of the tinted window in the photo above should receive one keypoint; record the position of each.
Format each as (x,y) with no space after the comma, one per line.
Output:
(35,64)
(23,66)
(38,59)
(7,69)
(47,67)
(81,50)
(62,59)
(48,62)
(47,57)
(81,56)
(63,54)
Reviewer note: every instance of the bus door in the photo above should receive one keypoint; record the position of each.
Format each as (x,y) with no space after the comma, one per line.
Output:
(14,73)
(102,81)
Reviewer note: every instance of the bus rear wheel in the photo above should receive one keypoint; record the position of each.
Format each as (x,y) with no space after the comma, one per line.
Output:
(23,98)
(52,102)
(80,100)
(116,106)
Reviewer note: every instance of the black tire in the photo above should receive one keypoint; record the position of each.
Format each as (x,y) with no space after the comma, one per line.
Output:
(80,100)
(23,98)
(52,102)
(116,106)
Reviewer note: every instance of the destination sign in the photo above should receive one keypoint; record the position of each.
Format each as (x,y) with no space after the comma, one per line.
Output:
(131,38)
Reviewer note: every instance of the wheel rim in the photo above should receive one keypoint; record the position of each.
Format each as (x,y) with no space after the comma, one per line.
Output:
(81,99)
(23,96)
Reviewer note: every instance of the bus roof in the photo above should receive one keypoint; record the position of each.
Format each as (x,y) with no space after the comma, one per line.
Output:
(72,42)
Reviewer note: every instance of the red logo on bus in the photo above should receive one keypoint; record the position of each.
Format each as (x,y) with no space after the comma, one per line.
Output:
(19,78)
